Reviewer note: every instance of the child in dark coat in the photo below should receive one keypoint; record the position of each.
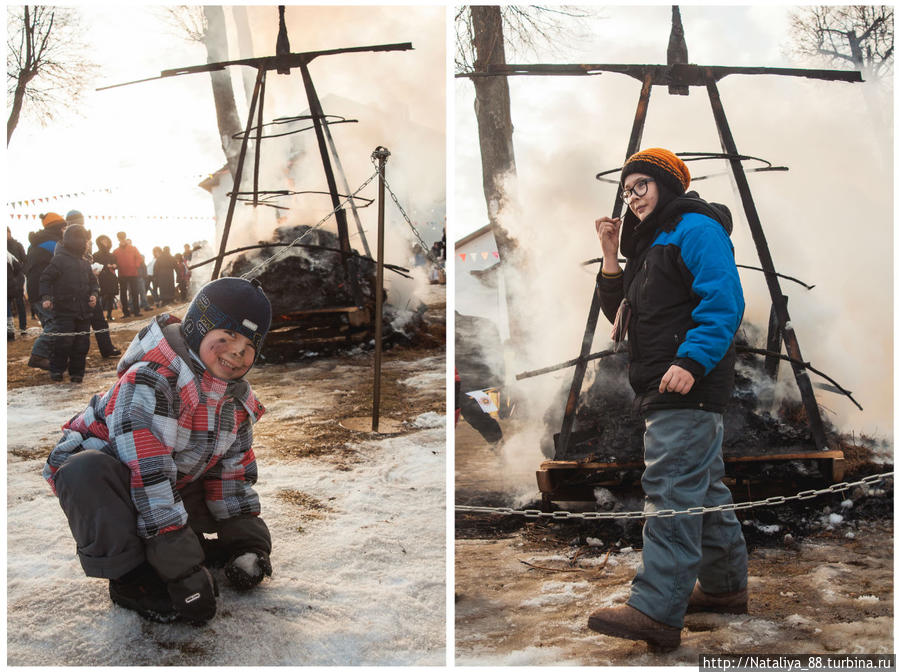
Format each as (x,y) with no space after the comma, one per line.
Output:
(70,291)
(166,455)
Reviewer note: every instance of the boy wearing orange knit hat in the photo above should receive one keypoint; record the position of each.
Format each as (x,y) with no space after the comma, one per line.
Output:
(679,302)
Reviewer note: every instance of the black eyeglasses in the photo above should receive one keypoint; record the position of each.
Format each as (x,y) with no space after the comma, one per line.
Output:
(639,189)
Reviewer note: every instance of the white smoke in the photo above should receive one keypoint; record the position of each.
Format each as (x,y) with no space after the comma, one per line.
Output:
(828,220)
(384,92)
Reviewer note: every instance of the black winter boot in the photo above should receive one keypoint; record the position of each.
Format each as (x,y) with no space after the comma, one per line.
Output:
(142,590)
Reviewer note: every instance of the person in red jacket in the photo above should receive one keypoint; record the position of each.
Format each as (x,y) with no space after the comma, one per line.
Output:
(128,261)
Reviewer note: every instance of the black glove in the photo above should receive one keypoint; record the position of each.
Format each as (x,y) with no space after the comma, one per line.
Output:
(246,570)
(194,596)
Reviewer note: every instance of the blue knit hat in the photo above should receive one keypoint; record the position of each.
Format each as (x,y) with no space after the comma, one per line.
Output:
(228,303)
(74,217)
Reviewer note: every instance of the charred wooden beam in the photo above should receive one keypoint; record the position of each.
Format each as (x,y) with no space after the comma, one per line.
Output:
(260,77)
(678,74)
(761,245)
(293,60)
(593,316)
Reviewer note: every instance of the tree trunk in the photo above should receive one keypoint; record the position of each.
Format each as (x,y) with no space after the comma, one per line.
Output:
(493,111)
(244,47)
(216,41)
(18,99)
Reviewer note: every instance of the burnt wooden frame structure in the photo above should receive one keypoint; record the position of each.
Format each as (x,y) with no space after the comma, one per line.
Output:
(679,77)
(282,63)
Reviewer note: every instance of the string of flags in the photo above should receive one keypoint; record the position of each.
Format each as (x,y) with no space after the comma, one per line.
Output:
(75,194)
(56,197)
(206,218)
(473,256)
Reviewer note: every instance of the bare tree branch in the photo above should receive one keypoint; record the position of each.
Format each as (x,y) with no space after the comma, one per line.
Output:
(47,69)
(859,34)
(189,21)
(527,29)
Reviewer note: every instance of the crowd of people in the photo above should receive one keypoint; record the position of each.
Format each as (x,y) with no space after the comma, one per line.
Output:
(71,291)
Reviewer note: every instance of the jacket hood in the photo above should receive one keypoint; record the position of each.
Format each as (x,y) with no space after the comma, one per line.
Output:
(42,236)
(161,342)
(636,235)
(691,202)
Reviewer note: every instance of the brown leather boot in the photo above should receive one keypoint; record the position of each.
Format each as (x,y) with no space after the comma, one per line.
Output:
(735,602)
(629,623)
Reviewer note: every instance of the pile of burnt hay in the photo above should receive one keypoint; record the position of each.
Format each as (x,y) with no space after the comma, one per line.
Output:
(308,276)
(315,277)
(607,429)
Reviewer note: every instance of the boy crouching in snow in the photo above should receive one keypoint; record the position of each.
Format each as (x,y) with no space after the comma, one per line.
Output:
(166,455)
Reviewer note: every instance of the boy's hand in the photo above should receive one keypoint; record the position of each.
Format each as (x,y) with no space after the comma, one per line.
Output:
(47,304)
(247,570)
(92,301)
(194,596)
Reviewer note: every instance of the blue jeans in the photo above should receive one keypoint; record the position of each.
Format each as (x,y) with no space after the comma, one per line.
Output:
(684,467)
(43,346)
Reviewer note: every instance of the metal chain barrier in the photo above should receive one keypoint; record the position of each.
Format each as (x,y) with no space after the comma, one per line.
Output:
(668,513)
(438,261)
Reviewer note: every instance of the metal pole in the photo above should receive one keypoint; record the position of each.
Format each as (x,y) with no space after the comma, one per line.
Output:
(761,244)
(581,368)
(381,154)
(260,75)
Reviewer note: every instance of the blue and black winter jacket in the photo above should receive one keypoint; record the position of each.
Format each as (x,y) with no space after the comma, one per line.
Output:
(686,303)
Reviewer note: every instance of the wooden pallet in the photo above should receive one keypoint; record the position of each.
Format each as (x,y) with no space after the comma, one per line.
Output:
(563,480)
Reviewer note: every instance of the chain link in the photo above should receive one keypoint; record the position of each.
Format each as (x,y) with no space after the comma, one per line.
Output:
(253,272)
(118,327)
(668,513)
(424,246)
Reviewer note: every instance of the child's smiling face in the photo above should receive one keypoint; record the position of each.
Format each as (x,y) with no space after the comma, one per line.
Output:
(227,354)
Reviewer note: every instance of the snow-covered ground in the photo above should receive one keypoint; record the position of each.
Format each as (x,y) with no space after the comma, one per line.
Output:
(359,578)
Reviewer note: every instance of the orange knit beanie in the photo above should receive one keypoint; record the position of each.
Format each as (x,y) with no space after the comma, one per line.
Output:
(661,164)
(52,219)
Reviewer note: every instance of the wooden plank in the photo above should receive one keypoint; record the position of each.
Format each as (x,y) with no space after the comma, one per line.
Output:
(813,455)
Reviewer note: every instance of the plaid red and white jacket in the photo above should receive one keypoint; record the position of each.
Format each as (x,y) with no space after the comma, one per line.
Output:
(171,423)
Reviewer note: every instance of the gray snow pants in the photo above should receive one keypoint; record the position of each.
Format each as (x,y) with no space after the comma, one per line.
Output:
(94,491)
(684,467)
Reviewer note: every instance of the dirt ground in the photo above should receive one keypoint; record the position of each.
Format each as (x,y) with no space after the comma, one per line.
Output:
(829,589)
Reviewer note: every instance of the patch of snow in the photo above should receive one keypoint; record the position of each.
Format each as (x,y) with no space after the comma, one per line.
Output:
(835,519)
(797,620)
(532,655)
(363,584)
(868,598)
(604,498)
(558,592)
(626,550)
(591,541)
(613,598)
(543,560)
(248,562)
(429,420)
(847,504)
(768,529)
